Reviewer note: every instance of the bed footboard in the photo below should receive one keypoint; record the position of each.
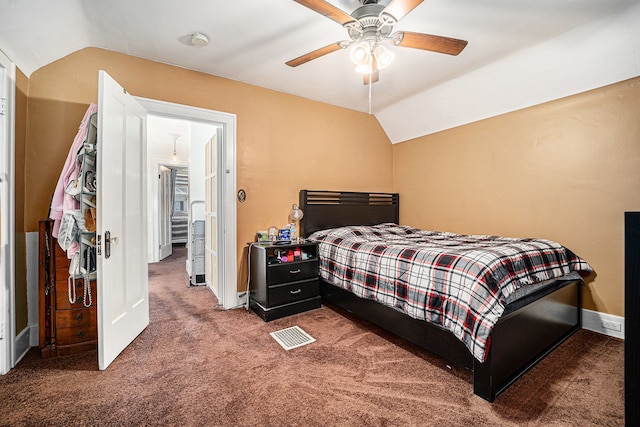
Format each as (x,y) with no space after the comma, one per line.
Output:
(522,338)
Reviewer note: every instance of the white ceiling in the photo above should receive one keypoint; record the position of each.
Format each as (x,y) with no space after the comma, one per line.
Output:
(163,131)
(520,53)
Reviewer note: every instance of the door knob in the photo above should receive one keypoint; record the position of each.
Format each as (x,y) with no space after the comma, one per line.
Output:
(108,240)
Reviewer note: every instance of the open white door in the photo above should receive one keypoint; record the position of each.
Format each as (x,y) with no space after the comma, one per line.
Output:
(211,215)
(123,286)
(164,197)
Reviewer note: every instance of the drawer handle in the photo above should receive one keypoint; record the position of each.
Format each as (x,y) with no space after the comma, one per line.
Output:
(80,334)
(295,292)
(294,271)
(79,317)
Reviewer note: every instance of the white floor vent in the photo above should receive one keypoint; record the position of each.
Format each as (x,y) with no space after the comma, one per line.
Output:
(292,337)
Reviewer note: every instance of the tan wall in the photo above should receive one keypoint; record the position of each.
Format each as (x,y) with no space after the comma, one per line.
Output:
(566,170)
(284,143)
(22,90)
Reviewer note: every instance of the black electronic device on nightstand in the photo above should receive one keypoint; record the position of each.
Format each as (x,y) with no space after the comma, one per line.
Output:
(284,278)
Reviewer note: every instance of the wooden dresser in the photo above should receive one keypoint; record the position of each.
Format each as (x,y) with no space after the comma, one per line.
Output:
(64,327)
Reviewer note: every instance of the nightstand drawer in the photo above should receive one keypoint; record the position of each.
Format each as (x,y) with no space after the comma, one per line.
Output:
(290,272)
(291,292)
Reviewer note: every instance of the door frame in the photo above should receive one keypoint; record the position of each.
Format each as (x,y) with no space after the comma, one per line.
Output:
(227,272)
(7,217)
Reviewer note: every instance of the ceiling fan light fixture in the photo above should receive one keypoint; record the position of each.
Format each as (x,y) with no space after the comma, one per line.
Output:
(174,155)
(361,53)
(383,56)
(368,26)
(364,68)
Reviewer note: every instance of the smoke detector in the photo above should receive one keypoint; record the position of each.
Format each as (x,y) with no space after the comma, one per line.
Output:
(199,39)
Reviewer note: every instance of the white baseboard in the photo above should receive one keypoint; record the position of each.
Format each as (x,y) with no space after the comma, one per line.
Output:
(22,343)
(34,335)
(28,337)
(32,276)
(594,321)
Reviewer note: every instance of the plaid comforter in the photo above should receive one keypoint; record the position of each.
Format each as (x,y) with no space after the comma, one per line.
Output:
(458,282)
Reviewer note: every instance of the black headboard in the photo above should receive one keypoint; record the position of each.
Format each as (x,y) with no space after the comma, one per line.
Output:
(330,209)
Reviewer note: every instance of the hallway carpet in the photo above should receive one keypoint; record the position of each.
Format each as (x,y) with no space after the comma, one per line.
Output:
(198,365)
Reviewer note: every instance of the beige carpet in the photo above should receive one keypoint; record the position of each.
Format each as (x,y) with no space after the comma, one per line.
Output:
(198,365)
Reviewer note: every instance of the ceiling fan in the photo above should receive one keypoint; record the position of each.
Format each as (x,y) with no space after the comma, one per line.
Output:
(369,27)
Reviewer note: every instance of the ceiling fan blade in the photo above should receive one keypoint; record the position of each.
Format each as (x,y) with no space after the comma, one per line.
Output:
(313,55)
(433,43)
(400,8)
(328,10)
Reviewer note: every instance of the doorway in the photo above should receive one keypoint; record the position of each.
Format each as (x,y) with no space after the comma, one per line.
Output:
(198,127)
(173,208)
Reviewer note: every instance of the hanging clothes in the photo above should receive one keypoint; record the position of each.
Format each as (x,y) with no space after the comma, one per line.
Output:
(61,201)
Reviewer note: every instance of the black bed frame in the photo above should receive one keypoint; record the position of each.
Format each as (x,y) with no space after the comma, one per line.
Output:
(527,331)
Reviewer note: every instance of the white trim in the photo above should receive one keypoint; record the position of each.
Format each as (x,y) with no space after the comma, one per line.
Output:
(29,336)
(227,221)
(592,321)
(22,343)
(33,335)
(31,240)
(7,215)
(226,210)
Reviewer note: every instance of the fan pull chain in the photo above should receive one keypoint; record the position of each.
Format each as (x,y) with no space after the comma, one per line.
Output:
(370,81)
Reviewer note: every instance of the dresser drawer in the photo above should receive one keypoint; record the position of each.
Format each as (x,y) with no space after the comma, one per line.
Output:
(62,294)
(76,334)
(293,271)
(62,271)
(291,292)
(75,317)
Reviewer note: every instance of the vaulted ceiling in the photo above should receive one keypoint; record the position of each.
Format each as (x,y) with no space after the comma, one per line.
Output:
(519,53)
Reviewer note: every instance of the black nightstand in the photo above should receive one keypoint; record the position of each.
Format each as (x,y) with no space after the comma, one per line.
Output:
(280,289)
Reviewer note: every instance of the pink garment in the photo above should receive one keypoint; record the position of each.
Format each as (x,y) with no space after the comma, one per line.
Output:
(62,201)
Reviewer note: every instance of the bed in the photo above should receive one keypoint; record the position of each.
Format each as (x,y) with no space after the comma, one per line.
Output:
(529,326)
